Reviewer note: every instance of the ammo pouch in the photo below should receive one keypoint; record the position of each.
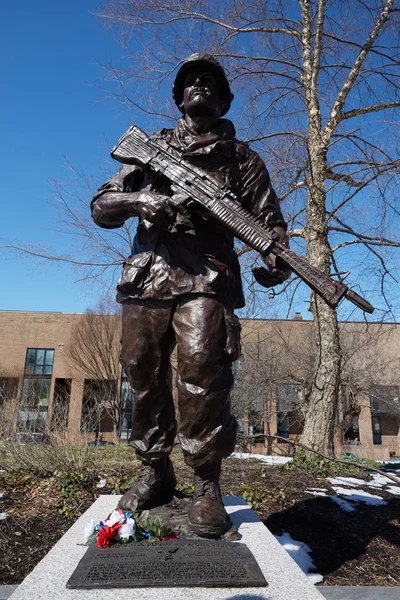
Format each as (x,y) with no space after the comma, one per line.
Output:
(233,328)
(134,272)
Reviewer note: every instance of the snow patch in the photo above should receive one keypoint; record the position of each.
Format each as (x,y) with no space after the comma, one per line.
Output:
(360,496)
(316,492)
(3,516)
(350,481)
(393,489)
(378,480)
(299,552)
(265,458)
(343,504)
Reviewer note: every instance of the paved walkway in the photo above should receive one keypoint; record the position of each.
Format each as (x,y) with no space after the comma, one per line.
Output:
(330,593)
(6,591)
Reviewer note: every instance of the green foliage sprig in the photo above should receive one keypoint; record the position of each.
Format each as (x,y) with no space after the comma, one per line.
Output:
(71,485)
(156,527)
(319,466)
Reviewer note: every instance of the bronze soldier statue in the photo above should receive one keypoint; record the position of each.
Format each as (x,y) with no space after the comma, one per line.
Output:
(180,287)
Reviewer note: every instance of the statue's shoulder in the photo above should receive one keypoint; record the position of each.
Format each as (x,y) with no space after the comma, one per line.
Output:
(245,154)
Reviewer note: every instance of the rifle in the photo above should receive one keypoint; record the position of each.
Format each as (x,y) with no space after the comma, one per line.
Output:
(136,148)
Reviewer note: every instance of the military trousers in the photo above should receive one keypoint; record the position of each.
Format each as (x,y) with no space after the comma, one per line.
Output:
(200,328)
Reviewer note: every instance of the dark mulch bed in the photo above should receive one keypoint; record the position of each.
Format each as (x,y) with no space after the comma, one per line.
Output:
(33,524)
(357,548)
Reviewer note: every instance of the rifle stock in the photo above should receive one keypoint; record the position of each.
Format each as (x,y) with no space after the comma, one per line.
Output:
(135,147)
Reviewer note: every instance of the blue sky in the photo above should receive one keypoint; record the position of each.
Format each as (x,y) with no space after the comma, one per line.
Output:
(51,107)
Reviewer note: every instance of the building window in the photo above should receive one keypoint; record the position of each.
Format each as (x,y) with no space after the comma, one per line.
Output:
(36,389)
(8,389)
(126,408)
(61,401)
(283,427)
(288,396)
(376,430)
(352,435)
(39,361)
(99,406)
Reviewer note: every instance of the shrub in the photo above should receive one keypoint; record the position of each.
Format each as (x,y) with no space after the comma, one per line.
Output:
(319,466)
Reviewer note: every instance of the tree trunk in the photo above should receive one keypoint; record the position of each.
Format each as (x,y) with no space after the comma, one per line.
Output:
(318,432)
(320,418)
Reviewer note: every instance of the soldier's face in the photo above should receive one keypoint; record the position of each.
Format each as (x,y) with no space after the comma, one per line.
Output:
(201,95)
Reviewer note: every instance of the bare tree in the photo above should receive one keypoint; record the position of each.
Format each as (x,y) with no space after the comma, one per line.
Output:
(368,371)
(97,255)
(96,352)
(317,87)
(318,84)
(276,371)
(272,375)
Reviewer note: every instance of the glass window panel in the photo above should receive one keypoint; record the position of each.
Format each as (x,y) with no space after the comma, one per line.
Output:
(25,388)
(126,394)
(40,357)
(29,397)
(288,394)
(30,360)
(38,370)
(47,370)
(283,427)
(49,357)
(30,423)
(35,392)
(376,425)
(31,355)
(44,391)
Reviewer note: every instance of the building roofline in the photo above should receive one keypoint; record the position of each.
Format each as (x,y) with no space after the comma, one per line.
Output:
(302,320)
(41,312)
(294,319)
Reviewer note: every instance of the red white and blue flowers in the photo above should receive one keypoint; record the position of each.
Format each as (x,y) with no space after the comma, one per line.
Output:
(121,528)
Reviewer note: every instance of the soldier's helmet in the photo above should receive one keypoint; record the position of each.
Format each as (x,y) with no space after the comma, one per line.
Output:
(198,61)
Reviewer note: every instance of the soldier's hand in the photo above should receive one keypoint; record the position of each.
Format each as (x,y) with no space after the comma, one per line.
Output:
(155,209)
(270,276)
(276,271)
(283,236)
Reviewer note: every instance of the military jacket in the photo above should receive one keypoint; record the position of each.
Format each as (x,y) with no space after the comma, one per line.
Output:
(194,254)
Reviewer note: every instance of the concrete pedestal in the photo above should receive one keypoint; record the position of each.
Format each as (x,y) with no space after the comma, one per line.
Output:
(286,581)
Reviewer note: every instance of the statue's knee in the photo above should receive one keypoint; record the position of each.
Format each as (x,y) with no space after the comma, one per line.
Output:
(133,371)
(199,370)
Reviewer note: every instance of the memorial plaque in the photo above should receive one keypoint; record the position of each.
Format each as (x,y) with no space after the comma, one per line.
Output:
(173,563)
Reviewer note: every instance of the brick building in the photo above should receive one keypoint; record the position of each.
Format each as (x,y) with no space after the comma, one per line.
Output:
(45,375)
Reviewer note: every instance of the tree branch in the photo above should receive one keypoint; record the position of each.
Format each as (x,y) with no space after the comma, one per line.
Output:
(369,109)
(336,116)
(333,459)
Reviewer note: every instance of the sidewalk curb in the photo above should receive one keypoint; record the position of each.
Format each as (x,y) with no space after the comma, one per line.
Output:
(359,592)
(329,592)
(6,591)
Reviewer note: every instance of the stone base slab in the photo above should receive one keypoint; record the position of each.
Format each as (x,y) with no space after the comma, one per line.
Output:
(285,579)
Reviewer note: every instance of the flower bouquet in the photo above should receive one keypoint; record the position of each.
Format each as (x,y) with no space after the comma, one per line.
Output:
(121,528)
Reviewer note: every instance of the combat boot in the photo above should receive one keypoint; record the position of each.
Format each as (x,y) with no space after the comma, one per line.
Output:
(207,515)
(154,486)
